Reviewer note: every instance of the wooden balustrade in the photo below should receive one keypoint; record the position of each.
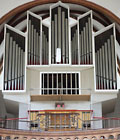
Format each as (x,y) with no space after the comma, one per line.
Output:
(108,134)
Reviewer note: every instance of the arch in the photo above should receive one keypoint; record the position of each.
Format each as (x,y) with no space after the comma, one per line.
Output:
(76,138)
(16,137)
(41,139)
(85,138)
(102,137)
(118,137)
(7,138)
(93,138)
(105,13)
(87,4)
(24,138)
(111,137)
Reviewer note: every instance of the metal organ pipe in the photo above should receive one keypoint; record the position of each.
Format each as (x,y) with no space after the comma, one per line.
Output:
(109,62)
(34,47)
(101,70)
(90,39)
(56,36)
(87,44)
(84,45)
(80,46)
(82,49)
(63,37)
(96,69)
(67,43)
(6,62)
(106,59)
(113,62)
(13,65)
(53,45)
(32,43)
(104,70)
(59,27)
(10,64)
(29,41)
(16,70)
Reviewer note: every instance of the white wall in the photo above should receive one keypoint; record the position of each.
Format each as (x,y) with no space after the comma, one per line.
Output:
(97,113)
(32,81)
(112,5)
(23,113)
(49,105)
(87,81)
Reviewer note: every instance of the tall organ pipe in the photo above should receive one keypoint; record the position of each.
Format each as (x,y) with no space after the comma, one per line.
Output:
(90,39)
(109,62)
(96,69)
(106,59)
(29,41)
(34,46)
(37,49)
(16,67)
(53,45)
(13,65)
(113,62)
(56,36)
(63,37)
(103,62)
(32,43)
(10,66)
(84,46)
(59,27)
(6,61)
(80,50)
(67,43)
(87,44)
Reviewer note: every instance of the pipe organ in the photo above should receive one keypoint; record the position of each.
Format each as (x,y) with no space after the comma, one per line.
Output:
(59,35)
(105,60)
(45,45)
(85,40)
(14,60)
(34,39)
(60,39)
(74,46)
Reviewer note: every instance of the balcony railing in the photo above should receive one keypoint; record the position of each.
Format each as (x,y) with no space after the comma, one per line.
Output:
(45,125)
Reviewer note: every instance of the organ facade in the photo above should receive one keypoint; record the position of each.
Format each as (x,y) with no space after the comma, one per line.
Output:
(60,59)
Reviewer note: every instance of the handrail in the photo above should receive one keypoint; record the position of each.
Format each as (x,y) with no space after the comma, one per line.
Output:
(1,119)
(106,118)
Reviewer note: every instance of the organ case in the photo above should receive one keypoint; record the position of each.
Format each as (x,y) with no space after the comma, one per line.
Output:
(105,59)
(14,60)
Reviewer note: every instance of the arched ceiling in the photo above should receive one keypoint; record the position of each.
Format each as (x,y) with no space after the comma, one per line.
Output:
(77,7)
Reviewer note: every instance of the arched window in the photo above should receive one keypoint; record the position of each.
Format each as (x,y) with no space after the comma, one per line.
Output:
(111,137)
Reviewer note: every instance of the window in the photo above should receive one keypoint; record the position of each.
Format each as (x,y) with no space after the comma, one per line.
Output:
(60,83)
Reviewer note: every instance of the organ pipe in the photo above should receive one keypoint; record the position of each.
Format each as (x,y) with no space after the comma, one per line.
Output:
(13,64)
(34,40)
(63,36)
(106,65)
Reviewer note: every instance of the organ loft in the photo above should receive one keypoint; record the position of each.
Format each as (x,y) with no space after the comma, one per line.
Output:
(60,58)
